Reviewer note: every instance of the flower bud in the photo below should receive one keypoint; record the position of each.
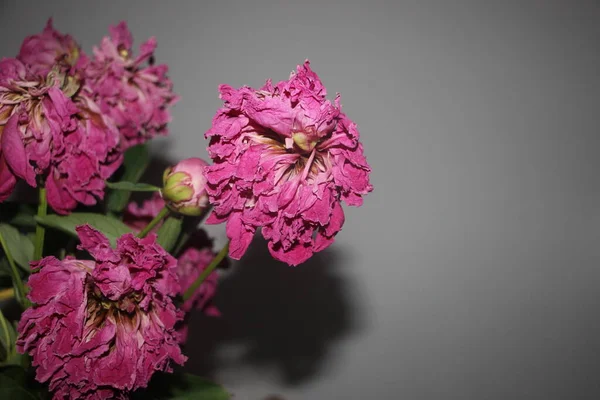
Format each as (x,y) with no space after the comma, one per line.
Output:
(184,187)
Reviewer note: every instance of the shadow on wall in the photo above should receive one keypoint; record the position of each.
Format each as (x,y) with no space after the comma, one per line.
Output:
(286,317)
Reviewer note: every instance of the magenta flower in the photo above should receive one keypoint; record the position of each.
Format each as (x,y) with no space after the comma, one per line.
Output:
(284,157)
(41,52)
(48,132)
(184,187)
(100,329)
(136,96)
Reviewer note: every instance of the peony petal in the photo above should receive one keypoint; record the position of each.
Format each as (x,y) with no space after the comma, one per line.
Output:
(14,153)
(296,255)
(8,180)
(95,243)
(58,197)
(240,236)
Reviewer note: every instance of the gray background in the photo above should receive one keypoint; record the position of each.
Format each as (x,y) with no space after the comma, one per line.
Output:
(472,271)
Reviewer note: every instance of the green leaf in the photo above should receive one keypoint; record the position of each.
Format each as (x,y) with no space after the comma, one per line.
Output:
(7,243)
(135,163)
(20,246)
(111,227)
(8,335)
(8,338)
(197,388)
(15,384)
(4,267)
(18,214)
(132,187)
(169,232)
(17,358)
(12,384)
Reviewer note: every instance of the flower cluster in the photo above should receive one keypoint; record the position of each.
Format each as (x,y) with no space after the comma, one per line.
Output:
(284,157)
(66,118)
(101,320)
(100,328)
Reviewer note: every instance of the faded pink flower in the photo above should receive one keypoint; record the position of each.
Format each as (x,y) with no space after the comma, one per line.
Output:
(135,95)
(184,187)
(284,157)
(41,52)
(48,132)
(100,328)
(195,255)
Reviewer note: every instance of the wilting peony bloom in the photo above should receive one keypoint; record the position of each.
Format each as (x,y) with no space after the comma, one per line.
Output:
(41,52)
(284,157)
(184,187)
(135,95)
(195,256)
(48,132)
(100,328)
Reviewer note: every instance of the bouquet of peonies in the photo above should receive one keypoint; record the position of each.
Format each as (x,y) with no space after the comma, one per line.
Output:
(98,309)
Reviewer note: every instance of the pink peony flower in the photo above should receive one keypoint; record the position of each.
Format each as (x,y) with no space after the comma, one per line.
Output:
(100,328)
(48,132)
(284,157)
(184,187)
(41,52)
(136,96)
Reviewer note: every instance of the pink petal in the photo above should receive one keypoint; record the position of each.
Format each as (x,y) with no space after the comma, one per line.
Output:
(240,236)
(95,243)
(58,197)
(14,151)
(8,180)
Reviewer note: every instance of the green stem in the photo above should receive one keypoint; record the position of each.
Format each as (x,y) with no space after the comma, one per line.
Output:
(40,230)
(9,344)
(161,215)
(211,267)
(16,277)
